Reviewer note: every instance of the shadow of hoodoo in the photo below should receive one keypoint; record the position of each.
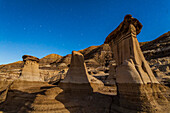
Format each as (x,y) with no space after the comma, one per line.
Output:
(79,89)
(20,96)
(138,89)
(17,101)
(32,97)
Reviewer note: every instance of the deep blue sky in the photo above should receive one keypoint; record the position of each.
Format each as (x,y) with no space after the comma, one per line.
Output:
(42,27)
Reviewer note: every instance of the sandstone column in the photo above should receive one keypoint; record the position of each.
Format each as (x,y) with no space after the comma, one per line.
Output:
(77,78)
(138,89)
(30,71)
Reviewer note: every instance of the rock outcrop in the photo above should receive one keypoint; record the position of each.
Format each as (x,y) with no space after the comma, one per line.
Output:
(11,71)
(111,79)
(137,88)
(10,66)
(77,77)
(30,71)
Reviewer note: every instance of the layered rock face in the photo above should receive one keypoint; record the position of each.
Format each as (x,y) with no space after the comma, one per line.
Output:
(158,48)
(11,71)
(77,77)
(157,53)
(30,71)
(138,89)
(49,71)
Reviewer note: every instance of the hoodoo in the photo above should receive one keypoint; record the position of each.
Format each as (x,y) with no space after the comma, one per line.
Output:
(30,71)
(137,88)
(77,77)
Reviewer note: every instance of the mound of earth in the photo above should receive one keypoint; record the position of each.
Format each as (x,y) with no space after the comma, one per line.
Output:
(47,60)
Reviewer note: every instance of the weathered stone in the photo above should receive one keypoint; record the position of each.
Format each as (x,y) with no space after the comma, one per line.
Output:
(30,71)
(4,87)
(112,75)
(128,54)
(30,58)
(138,89)
(77,77)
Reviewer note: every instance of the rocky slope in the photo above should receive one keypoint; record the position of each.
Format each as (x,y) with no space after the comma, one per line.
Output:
(15,65)
(157,48)
(94,56)
(47,60)
(12,70)
(63,62)
(100,55)
(157,53)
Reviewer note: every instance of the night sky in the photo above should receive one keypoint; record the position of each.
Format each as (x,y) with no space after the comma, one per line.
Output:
(42,27)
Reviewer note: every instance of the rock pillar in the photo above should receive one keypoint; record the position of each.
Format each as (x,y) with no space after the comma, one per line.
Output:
(30,71)
(137,87)
(77,78)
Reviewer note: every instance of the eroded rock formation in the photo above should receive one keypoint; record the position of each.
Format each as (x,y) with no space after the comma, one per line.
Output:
(77,77)
(30,71)
(112,75)
(138,89)
(156,53)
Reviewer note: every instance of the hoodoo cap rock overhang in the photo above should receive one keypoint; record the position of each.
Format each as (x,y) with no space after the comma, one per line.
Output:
(124,26)
(28,57)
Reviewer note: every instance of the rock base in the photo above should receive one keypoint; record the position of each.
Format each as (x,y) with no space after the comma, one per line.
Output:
(138,97)
(73,88)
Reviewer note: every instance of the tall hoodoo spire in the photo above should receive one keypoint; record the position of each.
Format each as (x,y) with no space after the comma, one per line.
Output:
(138,88)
